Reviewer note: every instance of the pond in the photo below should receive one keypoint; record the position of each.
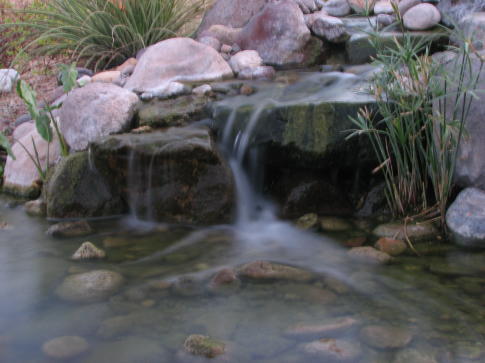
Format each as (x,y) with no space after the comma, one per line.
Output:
(309,303)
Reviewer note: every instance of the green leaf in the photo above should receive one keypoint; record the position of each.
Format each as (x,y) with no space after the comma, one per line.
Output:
(68,76)
(43,125)
(27,94)
(6,145)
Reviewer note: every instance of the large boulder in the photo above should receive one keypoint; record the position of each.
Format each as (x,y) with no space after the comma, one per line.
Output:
(466,218)
(96,110)
(453,11)
(280,35)
(76,189)
(473,26)
(21,176)
(177,60)
(174,175)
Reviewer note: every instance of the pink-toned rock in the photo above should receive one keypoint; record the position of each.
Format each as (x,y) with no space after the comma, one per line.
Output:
(261,72)
(179,60)
(385,337)
(211,42)
(244,60)
(107,77)
(422,17)
(333,350)
(330,328)
(128,66)
(264,270)
(391,246)
(225,34)
(362,6)
(223,277)
(369,255)
(384,7)
(280,35)
(327,27)
(405,5)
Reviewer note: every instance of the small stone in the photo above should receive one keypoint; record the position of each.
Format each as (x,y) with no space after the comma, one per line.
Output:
(226,276)
(393,247)
(36,208)
(8,79)
(337,7)
(334,224)
(128,66)
(369,255)
(246,90)
(327,27)
(142,130)
(84,80)
(385,20)
(413,356)
(401,231)
(202,90)
(88,251)
(4,226)
(148,303)
(355,241)
(166,90)
(65,347)
(204,346)
(385,337)
(245,59)
(383,7)
(334,350)
(226,48)
(308,221)
(422,17)
(107,77)
(264,270)
(261,73)
(70,229)
(362,6)
(328,329)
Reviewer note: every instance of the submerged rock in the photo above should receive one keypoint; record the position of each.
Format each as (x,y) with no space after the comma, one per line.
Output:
(329,329)
(411,231)
(90,286)
(88,251)
(226,277)
(414,356)
(35,208)
(66,347)
(334,350)
(176,175)
(204,346)
(333,224)
(369,255)
(70,229)
(385,337)
(308,221)
(265,270)
(393,247)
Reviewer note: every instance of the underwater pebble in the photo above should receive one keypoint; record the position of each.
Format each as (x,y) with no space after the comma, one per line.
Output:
(65,347)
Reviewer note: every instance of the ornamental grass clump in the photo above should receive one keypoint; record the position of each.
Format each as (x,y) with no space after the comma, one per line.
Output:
(415,137)
(107,32)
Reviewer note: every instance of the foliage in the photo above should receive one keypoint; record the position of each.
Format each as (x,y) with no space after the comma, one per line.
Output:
(107,32)
(414,137)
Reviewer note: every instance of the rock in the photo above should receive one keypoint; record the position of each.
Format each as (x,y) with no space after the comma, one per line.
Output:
(96,285)
(466,218)
(70,229)
(333,350)
(77,189)
(22,119)
(309,6)
(198,189)
(127,67)
(385,337)
(35,208)
(280,36)
(172,112)
(231,13)
(362,6)
(226,48)
(211,42)
(412,231)
(369,255)
(8,79)
(66,347)
(264,270)
(204,346)
(392,247)
(308,221)
(405,5)
(166,90)
(327,27)
(21,176)
(261,73)
(224,277)
(333,224)
(246,59)
(84,80)
(225,35)
(337,7)
(385,20)
(355,241)
(107,77)
(454,11)
(88,251)
(177,60)
(94,111)
(421,17)
(473,27)
(188,286)
(413,355)
(202,90)
(329,329)
(384,7)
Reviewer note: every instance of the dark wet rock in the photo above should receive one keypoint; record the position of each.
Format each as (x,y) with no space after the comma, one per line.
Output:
(70,229)
(177,60)
(369,255)
(466,218)
(357,241)
(90,286)
(172,112)
(308,221)
(392,247)
(77,189)
(204,346)
(129,350)
(198,188)
(334,350)
(328,329)
(280,36)
(336,285)
(385,337)
(65,347)
(333,224)
(35,208)
(414,356)
(88,251)
(265,270)
(95,110)
(412,231)
(224,278)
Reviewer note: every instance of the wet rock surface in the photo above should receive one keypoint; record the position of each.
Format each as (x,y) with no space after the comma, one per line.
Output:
(332,328)
(333,350)
(70,229)
(88,251)
(264,270)
(66,347)
(412,231)
(369,255)
(204,346)
(385,337)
